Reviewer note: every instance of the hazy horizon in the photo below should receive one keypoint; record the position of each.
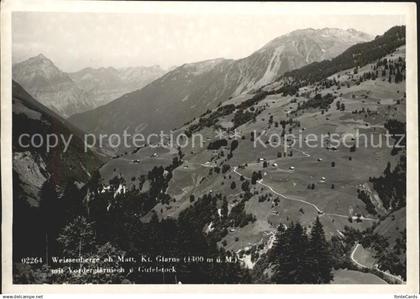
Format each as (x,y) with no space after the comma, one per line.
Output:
(74,41)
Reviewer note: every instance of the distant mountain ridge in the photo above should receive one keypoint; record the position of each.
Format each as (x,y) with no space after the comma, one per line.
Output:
(52,87)
(191,89)
(107,84)
(70,93)
(354,56)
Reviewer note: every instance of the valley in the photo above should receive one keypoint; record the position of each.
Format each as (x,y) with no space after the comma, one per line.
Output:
(294,154)
(75,92)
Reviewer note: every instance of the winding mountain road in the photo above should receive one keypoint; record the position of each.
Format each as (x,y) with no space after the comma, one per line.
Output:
(235,170)
(376,267)
(319,211)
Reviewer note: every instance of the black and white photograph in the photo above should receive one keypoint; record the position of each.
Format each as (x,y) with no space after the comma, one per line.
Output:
(205,143)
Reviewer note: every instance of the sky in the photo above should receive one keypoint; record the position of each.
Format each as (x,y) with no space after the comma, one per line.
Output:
(74,40)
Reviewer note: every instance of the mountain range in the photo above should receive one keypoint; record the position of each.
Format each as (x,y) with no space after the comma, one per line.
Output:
(70,93)
(240,196)
(107,84)
(191,89)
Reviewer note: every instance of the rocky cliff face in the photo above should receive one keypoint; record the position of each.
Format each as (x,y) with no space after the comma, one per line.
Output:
(52,87)
(70,93)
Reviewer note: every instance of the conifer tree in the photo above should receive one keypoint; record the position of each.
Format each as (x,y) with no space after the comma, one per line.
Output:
(51,218)
(291,256)
(71,202)
(224,210)
(299,259)
(77,238)
(319,252)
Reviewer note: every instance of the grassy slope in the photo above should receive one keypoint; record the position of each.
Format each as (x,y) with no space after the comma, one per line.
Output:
(344,276)
(346,175)
(193,178)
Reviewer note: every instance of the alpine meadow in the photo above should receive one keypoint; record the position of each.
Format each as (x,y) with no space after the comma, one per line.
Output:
(141,164)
